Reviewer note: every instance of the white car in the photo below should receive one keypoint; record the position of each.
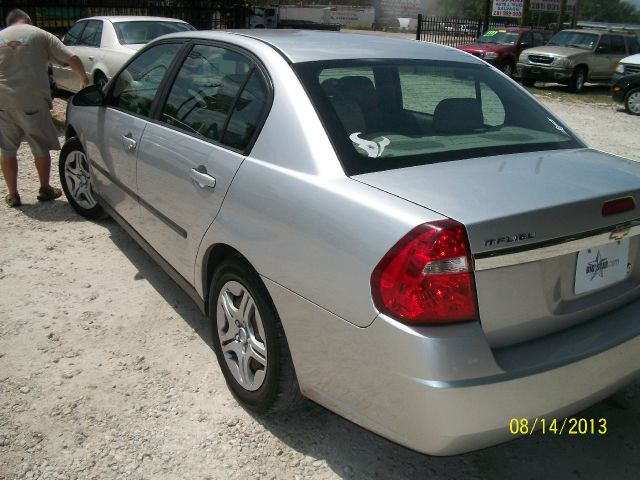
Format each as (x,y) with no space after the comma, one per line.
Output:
(104,44)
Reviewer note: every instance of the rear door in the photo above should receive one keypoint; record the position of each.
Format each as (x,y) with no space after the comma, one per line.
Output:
(63,74)
(87,50)
(189,156)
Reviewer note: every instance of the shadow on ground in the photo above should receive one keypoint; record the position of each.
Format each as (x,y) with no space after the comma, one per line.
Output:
(352,452)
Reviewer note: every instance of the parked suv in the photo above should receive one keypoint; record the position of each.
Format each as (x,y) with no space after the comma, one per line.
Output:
(501,47)
(573,57)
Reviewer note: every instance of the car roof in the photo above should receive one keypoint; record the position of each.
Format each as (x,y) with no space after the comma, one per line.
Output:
(311,45)
(597,31)
(133,18)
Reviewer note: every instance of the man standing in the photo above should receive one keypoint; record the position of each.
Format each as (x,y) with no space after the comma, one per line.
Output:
(25,99)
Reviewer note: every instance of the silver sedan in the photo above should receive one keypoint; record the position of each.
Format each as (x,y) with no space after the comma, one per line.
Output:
(104,44)
(390,228)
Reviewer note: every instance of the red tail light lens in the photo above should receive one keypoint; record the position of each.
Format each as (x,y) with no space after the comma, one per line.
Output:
(426,277)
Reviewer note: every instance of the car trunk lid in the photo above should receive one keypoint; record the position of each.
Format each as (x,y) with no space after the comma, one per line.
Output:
(521,213)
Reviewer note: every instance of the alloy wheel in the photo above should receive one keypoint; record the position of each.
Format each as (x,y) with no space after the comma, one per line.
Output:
(633,102)
(78,176)
(242,335)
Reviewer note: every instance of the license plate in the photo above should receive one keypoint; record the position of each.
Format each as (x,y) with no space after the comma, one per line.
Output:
(601,266)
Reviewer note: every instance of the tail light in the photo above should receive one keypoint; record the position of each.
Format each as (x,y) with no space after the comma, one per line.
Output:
(426,277)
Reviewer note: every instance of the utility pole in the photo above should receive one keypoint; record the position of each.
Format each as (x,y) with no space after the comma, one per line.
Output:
(487,14)
(525,13)
(563,11)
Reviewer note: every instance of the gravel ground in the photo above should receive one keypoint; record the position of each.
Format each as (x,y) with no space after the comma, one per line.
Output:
(106,370)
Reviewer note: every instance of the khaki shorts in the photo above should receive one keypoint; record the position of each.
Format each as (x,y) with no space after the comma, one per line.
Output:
(35,126)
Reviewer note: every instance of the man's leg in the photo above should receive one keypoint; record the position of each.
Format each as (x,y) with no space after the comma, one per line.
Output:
(43,166)
(10,172)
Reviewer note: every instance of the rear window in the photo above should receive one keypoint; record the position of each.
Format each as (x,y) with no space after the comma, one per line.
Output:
(131,33)
(382,115)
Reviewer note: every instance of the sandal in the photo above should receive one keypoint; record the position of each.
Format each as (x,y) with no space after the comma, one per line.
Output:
(13,200)
(48,193)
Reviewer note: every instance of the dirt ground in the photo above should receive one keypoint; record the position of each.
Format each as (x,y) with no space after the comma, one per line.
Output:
(106,369)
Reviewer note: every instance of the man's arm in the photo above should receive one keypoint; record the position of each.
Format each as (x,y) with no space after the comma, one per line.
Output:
(76,65)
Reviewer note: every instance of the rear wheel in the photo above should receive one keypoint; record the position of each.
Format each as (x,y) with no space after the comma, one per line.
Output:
(632,101)
(249,340)
(75,177)
(576,83)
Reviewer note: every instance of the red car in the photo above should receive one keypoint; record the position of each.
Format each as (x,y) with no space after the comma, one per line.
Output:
(501,47)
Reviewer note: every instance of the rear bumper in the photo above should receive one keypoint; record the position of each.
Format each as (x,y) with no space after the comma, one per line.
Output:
(544,73)
(444,391)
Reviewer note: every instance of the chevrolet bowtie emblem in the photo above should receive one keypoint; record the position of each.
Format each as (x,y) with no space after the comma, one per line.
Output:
(619,234)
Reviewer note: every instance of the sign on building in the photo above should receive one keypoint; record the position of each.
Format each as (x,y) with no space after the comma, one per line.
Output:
(549,5)
(507,8)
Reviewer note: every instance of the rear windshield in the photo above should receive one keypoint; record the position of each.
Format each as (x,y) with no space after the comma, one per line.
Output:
(499,37)
(585,41)
(382,115)
(131,33)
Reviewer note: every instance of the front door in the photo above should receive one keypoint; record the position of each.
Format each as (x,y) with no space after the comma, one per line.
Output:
(121,125)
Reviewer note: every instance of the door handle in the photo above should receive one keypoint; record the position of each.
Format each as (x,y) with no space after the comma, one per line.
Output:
(129,143)
(90,59)
(201,178)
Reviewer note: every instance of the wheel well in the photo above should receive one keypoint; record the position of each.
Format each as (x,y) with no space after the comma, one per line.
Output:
(70,132)
(214,257)
(584,67)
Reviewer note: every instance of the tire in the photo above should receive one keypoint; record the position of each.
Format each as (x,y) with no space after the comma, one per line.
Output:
(632,101)
(528,82)
(576,83)
(249,340)
(100,79)
(508,68)
(75,177)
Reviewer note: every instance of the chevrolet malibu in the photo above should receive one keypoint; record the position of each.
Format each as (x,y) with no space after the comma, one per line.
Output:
(390,228)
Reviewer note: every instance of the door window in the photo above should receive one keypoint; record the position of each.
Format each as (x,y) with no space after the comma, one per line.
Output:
(605,44)
(92,34)
(136,86)
(247,113)
(206,91)
(633,44)
(617,45)
(527,40)
(72,37)
(538,39)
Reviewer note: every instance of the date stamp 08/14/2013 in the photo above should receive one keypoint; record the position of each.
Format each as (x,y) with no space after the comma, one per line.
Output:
(558,426)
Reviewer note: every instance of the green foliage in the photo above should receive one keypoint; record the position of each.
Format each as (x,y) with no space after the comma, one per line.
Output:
(616,11)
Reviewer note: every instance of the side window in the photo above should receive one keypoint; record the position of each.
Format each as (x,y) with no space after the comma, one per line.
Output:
(246,114)
(72,37)
(617,45)
(526,40)
(605,44)
(92,34)
(633,44)
(205,91)
(538,39)
(136,86)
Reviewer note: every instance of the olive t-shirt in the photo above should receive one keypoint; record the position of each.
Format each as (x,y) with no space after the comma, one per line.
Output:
(25,53)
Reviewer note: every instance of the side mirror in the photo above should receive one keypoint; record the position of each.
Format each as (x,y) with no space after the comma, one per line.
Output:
(525,45)
(602,49)
(91,96)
